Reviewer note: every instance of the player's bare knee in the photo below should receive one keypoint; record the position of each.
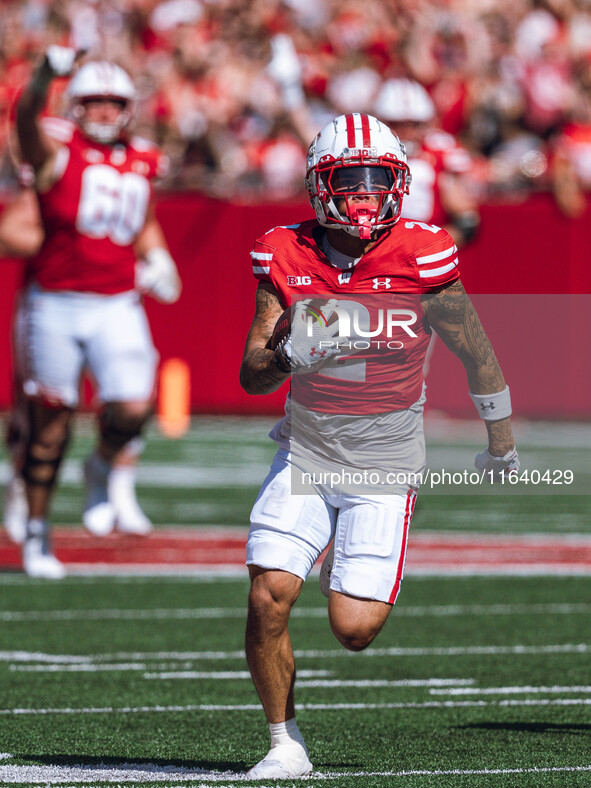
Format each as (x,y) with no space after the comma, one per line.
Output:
(356,622)
(353,639)
(271,597)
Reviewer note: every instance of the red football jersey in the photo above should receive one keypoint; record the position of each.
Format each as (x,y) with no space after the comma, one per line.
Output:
(94,212)
(384,371)
(438,154)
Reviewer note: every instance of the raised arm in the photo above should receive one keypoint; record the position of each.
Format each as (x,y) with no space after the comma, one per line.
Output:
(452,315)
(259,373)
(36,147)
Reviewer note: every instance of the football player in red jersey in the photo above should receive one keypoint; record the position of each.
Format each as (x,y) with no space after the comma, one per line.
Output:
(81,308)
(355,403)
(439,165)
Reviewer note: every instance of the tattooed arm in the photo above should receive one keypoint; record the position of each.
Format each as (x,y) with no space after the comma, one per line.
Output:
(452,315)
(258,373)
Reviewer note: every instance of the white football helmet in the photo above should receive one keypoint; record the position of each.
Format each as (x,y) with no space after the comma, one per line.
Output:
(404,100)
(356,151)
(97,80)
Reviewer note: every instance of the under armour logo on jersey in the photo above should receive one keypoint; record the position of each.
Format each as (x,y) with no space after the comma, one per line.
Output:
(377,283)
(314,352)
(487,406)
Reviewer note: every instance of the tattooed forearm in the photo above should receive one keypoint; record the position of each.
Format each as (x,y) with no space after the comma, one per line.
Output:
(258,373)
(452,315)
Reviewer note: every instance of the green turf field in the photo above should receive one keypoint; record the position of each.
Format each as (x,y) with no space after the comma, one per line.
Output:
(475,681)
(469,675)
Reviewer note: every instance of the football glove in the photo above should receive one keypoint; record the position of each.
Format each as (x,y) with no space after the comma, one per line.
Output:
(311,344)
(156,275)
(497,468)
(60,60)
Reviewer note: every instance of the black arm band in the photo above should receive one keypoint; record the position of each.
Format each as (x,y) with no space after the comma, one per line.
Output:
(467,223)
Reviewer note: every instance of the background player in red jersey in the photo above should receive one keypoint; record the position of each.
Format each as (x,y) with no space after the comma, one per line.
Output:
(353,405)
(440,192)
(81,309)
(21,236)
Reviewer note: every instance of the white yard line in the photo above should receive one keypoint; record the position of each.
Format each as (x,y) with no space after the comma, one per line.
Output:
(39,656)
(142,773)
(529,690)
(451,651)
(324,683)
(167,671)
(416,611)
(449,704)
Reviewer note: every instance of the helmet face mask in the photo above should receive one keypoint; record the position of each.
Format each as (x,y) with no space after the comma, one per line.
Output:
(101,82)
(357,189)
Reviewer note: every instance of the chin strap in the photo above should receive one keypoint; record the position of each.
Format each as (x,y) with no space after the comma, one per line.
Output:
(362,216)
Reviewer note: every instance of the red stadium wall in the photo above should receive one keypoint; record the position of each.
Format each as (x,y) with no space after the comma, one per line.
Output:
(525,250)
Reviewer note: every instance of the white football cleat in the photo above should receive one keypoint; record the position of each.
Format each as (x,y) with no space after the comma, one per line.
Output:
(98,516)
(129,516)
(130,519)
(16,510)
(39,562)
(281,763)
(326,570)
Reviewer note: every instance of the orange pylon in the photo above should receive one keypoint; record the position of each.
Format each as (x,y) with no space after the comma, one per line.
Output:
(174,399)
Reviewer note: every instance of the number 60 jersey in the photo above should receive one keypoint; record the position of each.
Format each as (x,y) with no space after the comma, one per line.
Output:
(94,212)
(382,371)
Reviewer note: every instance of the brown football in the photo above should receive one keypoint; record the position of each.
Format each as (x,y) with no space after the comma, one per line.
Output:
(283,324)
(281,330)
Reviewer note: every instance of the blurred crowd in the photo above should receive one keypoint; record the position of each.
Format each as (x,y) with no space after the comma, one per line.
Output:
(234,90)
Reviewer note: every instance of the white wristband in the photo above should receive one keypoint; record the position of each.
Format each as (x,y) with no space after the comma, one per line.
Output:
(492,407)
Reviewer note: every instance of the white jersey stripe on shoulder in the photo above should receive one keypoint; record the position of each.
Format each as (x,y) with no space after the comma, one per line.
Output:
(431,273)
(283,227)
(260,269)
(433,258)
(261,256)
